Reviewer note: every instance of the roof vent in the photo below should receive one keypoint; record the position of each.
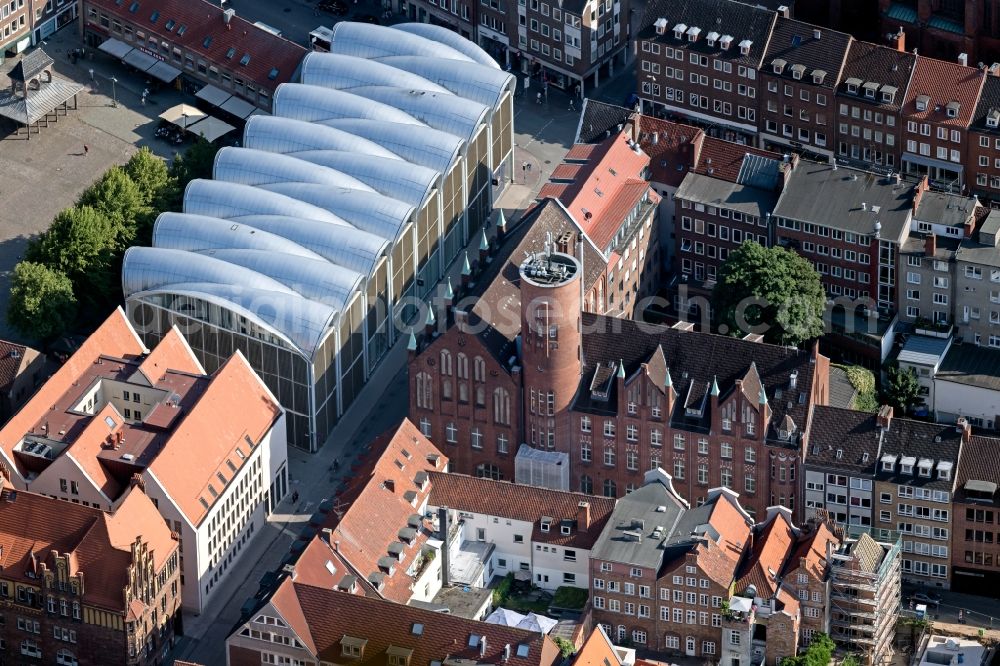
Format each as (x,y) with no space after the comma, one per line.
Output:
(227,16)
(817,33)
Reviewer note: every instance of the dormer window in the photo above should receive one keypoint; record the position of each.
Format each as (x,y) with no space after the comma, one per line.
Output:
(888,94)
(993,118)
(887,465)
(798,71)
(853,85)
(783,435)
(906,469)
(924,468)
(566,527)
(818,76)
(711,38)
(679,30)
(661,26)
(693,33)
(745,46)
(778,65)
(870,93)
(726,42)
(922,101)
(951,109)
(944,470)
(398,656)
(352,647)
(546,524)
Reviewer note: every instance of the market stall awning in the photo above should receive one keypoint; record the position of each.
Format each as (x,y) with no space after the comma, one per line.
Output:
(238,107)
(164,72)
(212,95)
(210,128)
(183,115)
(115,47)
(141,61)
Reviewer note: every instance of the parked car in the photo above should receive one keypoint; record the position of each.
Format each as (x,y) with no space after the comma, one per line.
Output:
(929,599)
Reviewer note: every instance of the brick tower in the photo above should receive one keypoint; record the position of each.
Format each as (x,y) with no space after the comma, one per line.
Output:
(550,345)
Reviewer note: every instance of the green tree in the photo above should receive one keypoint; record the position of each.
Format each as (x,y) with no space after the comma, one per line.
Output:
(42,305)
(158,189)
(566,648)
(79,241)
(196,162)
(903,389)
(863,381)
(117,196)
(771,288)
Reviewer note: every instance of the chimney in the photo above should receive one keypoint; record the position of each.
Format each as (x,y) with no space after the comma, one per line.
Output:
(817,33)
(963,59)
(444,528)
(963,426)
(328,536)
(898,41)
(461,319)
(918,192)
(884,418)
(930,245)
(583,516)
(482,646)
(784,11)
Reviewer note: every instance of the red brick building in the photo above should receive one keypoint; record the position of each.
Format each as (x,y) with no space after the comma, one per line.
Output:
(983,155)
(669,598)
(605,188)
(725,199)
(936,113)
(621,397)
(26,23)
(975,535)
(870,94)
(84,587)
(699,59)
(800,72)
(946,28)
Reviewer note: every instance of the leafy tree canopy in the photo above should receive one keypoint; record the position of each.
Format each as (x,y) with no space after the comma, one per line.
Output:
(42,305)
(772,291)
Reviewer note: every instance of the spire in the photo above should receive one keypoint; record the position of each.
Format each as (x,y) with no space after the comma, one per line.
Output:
(430,315)
(449,293)
(621,369)
(668,382)
(715,386)
(484,244)
(501,220)
(412,344)
(763,396)
(466,269)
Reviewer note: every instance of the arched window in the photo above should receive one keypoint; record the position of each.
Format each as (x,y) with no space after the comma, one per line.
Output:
(425,391)
(463,366)
(445,362)
(586,485)
(501,406)
(487,471)
(622,633)
(480,369)
(610,488)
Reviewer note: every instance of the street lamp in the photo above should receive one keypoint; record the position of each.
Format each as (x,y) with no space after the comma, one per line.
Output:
(114,92)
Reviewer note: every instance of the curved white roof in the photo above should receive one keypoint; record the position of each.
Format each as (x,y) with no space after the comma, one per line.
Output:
(293,224)
(365,40)
(302,322)
(449,38)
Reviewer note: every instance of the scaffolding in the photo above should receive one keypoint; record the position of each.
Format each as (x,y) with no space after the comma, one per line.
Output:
(865,593)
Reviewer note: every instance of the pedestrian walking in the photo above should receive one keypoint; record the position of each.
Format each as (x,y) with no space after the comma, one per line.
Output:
(572,107)
(86,149)
(538,98)
(577,90)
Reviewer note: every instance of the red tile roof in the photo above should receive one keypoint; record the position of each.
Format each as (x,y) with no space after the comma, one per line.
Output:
(378,502)
(115,337)
(723,159)
(770,548)
(13,359)
(669,148)
(527,503)
(98,543)
(603,192)
(597,650)
(943,82)
(232,416)
(171,353)
(323,617)
(810,551)
(203,20)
